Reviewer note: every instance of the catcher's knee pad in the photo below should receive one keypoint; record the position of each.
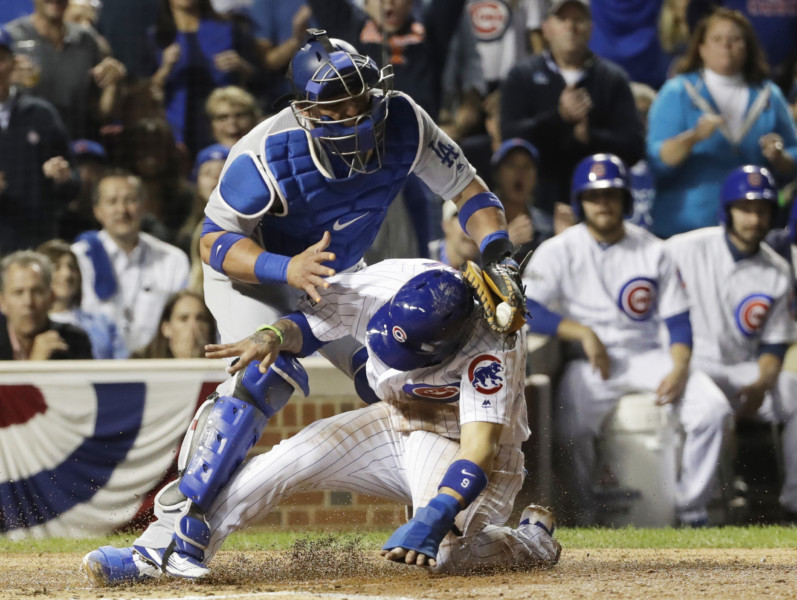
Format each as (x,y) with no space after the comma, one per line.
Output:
(235,423)
(271,390)
(361,385)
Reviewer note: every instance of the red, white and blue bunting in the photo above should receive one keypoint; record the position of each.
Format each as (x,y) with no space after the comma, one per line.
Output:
(81,449)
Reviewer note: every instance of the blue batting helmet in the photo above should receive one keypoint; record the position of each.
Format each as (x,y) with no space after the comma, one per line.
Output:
(601,171)
(749,182)
(326,71)
(424,323)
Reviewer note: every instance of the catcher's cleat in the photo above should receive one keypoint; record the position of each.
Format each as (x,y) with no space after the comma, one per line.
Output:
(534,514)
(185,566)
(178,563)
(108,566)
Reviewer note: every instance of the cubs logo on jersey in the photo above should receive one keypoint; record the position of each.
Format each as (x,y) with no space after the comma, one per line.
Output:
(638,298)
(752,312)
(446,393)
(485,373)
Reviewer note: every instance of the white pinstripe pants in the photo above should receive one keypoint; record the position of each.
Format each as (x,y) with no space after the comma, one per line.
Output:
(359,452)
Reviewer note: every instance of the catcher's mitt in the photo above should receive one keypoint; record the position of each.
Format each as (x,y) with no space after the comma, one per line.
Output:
(498,289)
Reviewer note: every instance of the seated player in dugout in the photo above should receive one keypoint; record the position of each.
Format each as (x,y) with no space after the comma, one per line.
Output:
(457,458)
(607,288)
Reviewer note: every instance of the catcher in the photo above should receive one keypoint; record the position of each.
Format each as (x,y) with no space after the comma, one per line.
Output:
(445,436)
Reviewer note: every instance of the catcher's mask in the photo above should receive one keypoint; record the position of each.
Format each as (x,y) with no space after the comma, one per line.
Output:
(327,71)
(425,322)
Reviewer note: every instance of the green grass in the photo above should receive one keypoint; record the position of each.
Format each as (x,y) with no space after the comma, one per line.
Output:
(719,537)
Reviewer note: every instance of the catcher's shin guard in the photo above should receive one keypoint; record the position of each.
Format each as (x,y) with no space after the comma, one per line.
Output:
(234,425)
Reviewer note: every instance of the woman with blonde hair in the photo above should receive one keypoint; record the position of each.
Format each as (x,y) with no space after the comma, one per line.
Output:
(232,112)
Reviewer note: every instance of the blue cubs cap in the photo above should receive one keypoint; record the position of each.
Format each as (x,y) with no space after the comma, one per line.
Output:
(425,322)
(212,152)
(508,145)
(6,41)
(748,182)
(88,148)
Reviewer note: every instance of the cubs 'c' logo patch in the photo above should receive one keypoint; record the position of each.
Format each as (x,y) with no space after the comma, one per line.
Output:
(399,334)
(433,393)
(754,179)
(752,312)
(597,171)
(490,19)
(637,298)
(486,374)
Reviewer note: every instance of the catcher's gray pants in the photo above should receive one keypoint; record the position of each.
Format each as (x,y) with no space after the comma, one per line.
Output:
(359,452)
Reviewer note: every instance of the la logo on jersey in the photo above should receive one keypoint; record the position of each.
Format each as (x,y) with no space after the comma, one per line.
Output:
(752,312)
(435,393)
(485,374)
(637,298)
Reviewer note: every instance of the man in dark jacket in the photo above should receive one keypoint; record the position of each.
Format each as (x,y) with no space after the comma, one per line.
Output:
(36,180)
(569,103)
(27,333)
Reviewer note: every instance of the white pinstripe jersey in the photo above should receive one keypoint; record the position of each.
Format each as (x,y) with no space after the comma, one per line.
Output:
(736,305)
(621,291)
(482,382)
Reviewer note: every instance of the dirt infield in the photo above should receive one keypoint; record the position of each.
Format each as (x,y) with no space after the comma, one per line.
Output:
(311,572)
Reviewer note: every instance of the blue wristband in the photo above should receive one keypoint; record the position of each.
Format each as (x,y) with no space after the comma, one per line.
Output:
(220,248)
(495,235)
(272,268)
(466,478)
(477,202)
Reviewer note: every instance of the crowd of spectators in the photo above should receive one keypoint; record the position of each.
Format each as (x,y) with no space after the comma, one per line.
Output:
(116,118)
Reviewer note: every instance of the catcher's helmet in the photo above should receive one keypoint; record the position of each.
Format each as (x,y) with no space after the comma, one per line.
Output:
(328,71)
(601,171)
(749,182)
(424,323)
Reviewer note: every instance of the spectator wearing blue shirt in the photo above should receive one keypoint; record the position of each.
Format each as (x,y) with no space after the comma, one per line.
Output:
(721,112)
(280,29)
(196,51)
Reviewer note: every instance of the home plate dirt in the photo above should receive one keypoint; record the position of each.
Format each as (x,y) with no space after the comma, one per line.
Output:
(319,573)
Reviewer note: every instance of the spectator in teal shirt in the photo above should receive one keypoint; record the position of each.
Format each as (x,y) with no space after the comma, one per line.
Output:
(721,112)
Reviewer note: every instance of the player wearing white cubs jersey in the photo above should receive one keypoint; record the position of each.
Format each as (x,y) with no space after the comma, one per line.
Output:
(606,286)
(445,438)
(740,291)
